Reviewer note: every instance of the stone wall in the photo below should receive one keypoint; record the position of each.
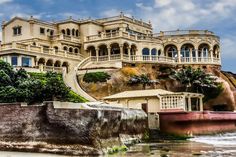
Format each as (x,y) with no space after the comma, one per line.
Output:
(66,131)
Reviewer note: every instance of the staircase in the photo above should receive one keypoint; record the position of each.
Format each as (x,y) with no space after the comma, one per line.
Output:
(70,80)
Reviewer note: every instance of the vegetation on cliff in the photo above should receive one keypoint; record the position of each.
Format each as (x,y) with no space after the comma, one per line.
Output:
(96,77)
(196,80)
(20,86)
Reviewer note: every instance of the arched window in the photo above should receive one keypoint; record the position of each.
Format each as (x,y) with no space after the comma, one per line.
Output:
(145,52)
(77,33)
(159,52)
(70,49)
(65,48)
(56,48)
(63,31)
(154,52)
(68,31)
(73,32)
(76,50)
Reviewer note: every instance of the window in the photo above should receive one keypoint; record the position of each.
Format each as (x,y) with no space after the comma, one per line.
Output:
(17,30)
(14,60)
(26,62)
(42,30)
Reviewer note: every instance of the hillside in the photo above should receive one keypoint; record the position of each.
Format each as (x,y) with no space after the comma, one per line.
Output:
(159,77)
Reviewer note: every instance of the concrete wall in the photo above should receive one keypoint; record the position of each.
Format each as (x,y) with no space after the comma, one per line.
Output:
(90,129)
(136,103)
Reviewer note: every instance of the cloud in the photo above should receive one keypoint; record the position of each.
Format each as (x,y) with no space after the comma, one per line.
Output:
(142,6)
(5,1)
(228,47)
(173,14)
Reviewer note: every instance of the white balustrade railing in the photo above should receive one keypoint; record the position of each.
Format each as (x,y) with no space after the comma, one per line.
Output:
(39,49)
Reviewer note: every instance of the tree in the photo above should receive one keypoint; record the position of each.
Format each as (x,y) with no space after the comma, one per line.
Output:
(196,80)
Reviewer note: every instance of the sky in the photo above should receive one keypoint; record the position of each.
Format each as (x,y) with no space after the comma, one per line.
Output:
(214,15)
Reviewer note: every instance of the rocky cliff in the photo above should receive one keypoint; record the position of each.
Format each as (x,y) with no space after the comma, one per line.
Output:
(159,76)
(67,131)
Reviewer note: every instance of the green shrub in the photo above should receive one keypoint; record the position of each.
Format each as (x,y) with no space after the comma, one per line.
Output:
(73,97)
(96,77)
(20,86)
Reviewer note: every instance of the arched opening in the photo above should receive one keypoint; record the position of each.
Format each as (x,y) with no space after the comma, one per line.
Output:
(126,48)
(65,48)
(146,54)
(68,31)
(133,49)
(91,50)
(77,33)
(66,65)
(159,52)
(154,54)
(76,50)
(49,62)
(57,64)
(41,61)
(63,31)
(70,49)
(102,50)
(73,32)
(186,49)
(171,51)
(203,50)
(56,49)
(115,48)
(216,51)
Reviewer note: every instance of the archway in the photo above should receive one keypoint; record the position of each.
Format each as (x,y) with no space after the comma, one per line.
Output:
(41,61)
(66,65)
(67,31)
(203,50)
(216,51)
(91,50)
(57,64)
(186,49)
(171,51)
(146,54)
(65,48)
(126,48)
(63,31)
(103,50)
(49,62)
(115,48)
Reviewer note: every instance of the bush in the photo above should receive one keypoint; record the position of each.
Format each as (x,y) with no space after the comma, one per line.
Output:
(20,86)
(96,77)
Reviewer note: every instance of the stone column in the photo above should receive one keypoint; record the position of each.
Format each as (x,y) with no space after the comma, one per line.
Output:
(129,53)
(191,55)
(201,104)
(196,53)
(179,55)
(211,52)
(109,53)
(121,52)
(189,104)
(97,55)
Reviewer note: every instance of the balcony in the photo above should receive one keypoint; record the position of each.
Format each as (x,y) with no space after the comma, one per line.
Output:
(65,37)
(184,32)
(118,34)
(30,49)
(156,59)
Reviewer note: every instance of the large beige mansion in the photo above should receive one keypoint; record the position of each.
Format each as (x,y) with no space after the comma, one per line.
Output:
(107,42)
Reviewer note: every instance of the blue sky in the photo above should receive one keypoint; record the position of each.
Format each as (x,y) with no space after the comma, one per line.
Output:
(214,15)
